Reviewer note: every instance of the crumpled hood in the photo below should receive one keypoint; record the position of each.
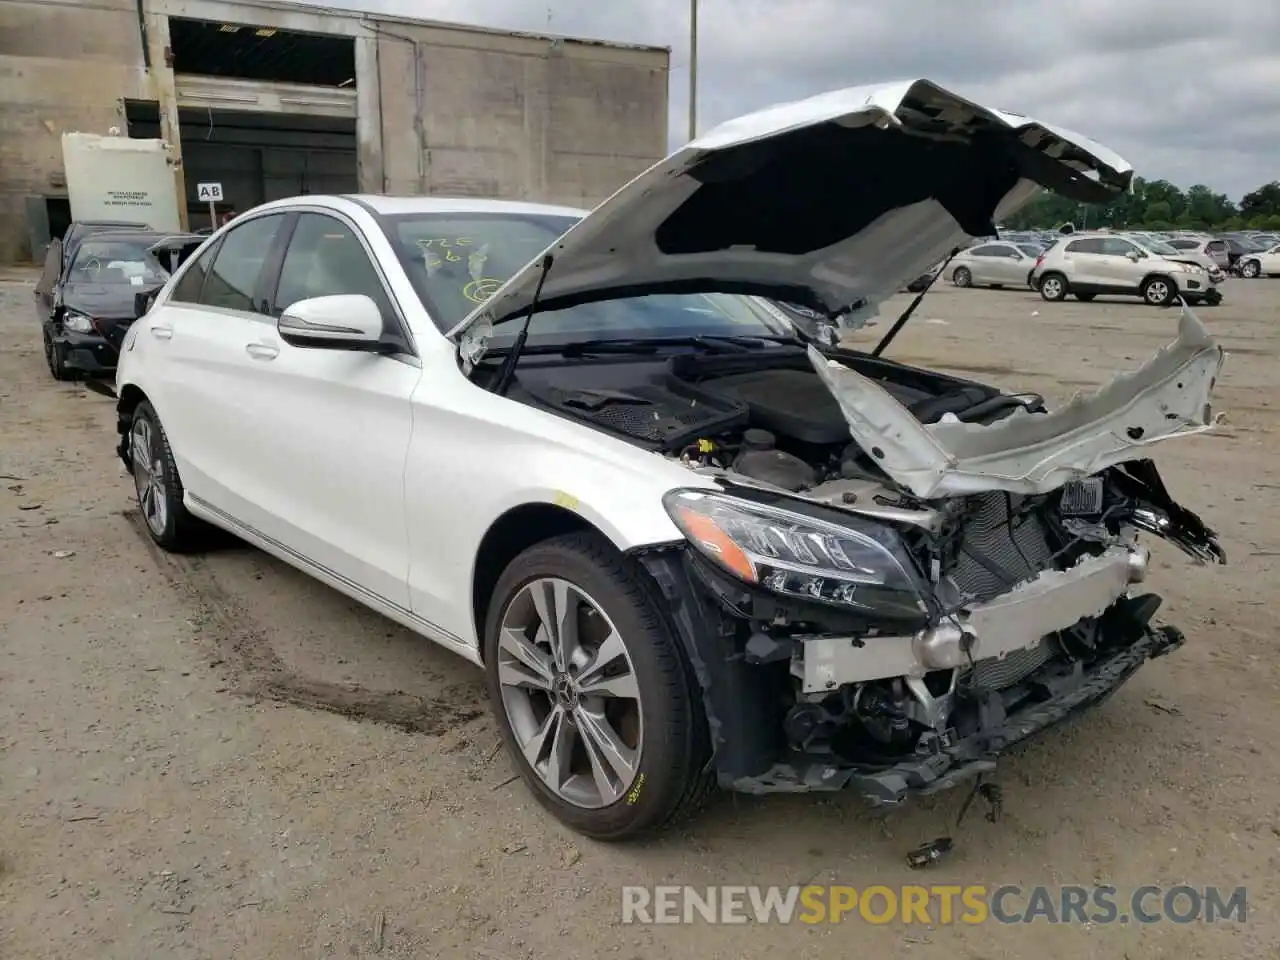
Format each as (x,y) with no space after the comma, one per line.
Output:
(831,203)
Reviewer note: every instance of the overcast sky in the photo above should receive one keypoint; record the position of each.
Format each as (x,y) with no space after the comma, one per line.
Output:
(1186,90)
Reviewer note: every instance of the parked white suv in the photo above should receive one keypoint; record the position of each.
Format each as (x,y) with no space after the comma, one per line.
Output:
(691,540)
(1088,264)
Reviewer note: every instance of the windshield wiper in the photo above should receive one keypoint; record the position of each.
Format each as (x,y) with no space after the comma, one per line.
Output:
(712,343)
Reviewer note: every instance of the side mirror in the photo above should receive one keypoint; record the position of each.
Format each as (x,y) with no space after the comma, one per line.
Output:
(1134,255)
(142,301)
(345,321)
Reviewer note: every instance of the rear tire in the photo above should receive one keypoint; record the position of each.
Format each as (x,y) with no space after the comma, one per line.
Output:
(1159,291)
(962,277)
(158,487)
(1251,269)
(1053,287)
(539,698)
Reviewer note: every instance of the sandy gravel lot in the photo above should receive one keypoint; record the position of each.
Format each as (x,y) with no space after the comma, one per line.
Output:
(217,757)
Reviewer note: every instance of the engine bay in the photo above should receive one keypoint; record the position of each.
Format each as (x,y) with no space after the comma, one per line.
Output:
(762,417)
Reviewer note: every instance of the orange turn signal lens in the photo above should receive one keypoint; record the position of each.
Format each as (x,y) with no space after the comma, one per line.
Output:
(711,538)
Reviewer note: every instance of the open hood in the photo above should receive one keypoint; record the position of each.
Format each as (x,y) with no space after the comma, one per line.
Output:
(831,203)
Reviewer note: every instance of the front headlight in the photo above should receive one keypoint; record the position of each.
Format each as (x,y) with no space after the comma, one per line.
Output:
(77,322)
(788,553)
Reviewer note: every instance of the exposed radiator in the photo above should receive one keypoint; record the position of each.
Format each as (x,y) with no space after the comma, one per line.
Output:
(1013,552)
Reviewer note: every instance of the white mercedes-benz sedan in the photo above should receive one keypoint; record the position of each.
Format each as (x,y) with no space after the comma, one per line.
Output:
(622,461)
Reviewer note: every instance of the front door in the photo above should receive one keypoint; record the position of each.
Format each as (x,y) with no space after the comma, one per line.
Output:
(326,442)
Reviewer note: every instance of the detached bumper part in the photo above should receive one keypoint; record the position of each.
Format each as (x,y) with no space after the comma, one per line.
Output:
(87,352)
(974,755)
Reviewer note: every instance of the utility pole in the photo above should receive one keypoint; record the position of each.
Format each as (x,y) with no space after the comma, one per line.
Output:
(693,69)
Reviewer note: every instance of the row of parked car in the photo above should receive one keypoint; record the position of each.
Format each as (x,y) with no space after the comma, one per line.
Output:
(1161,268)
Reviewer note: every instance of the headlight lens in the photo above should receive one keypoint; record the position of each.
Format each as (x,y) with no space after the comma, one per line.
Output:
(77,322)
(799,556)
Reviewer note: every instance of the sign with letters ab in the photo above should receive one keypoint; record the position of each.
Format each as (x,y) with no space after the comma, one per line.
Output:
(209,192)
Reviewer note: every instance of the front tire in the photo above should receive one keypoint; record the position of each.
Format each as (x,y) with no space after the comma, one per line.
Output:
(1053,287)
(56,358)
(592,692)
(157,485)
(962,277)
(1251,269)
(1159,291)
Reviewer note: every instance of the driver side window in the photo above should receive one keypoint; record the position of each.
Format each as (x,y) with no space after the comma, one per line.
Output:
(326,258)
(1115,247)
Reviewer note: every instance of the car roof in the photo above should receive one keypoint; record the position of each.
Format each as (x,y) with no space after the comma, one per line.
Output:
(135,235)
(393,206)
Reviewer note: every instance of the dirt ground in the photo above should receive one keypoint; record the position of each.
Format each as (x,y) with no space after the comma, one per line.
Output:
(218,757)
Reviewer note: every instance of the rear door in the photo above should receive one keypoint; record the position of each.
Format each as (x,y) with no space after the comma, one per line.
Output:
(325,447)
(199,335)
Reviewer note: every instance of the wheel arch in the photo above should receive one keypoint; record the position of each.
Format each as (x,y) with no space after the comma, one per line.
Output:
(513,532)
(130,397)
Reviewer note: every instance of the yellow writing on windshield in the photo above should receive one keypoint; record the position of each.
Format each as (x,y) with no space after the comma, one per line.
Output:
(478,291)
(439,250)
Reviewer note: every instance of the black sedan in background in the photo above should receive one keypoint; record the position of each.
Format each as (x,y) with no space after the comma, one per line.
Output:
(92,303)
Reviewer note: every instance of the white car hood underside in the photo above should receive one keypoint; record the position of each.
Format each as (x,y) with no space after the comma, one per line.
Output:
(1034,453)
(831,203)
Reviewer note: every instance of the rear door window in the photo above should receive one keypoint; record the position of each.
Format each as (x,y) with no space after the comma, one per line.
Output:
(238,264)
(191,284)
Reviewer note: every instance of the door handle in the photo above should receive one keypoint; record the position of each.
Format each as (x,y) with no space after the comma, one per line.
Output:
(161,331)
(262,351)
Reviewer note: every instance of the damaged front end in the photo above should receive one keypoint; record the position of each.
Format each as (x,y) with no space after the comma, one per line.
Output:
(1025,611)
(951,588)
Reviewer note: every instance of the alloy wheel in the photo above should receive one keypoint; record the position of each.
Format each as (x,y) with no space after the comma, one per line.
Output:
(148,477)
(569,693)
(1250,269)
(1158,293)
(1051,287)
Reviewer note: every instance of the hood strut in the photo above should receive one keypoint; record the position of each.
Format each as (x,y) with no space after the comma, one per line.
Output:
(508,369)
(911,307)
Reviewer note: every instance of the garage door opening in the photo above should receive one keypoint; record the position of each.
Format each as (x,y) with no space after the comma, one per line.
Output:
(250,52)
(255,156)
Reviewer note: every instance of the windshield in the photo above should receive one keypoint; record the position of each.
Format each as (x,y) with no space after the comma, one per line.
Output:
(116,261)
(456,261)
(1158,247)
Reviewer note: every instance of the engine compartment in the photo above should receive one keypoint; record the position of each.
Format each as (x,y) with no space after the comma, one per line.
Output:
(762,416)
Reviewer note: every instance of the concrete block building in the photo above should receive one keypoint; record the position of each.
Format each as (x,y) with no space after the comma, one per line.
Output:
(274,99)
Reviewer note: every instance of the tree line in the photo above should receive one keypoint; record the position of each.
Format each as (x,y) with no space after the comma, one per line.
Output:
(1157,205)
